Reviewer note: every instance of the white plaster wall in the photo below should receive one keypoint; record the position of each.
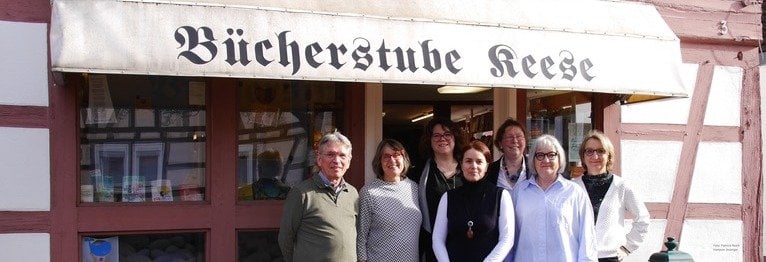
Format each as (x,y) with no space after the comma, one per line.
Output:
(24,169)
(24,67)
(667,110)
(28,247)
(653,242)
(723,104)
(650,166)
(712,240)
(717,173)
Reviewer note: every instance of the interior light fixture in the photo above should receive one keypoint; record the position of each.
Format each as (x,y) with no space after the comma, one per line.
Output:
(460,89)
(422,117)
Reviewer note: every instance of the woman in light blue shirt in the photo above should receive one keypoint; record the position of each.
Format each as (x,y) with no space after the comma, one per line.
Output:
(554,217)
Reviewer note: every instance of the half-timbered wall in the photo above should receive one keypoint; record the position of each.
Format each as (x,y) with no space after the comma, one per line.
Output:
(696,161)
(24,140)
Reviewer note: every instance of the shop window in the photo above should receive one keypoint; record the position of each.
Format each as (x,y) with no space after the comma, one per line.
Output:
(142,139)
(146,247)
(565,115)
(280,123)
(476,122)
(258,246)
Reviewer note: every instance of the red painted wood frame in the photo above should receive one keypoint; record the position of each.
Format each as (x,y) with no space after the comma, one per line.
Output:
(220,217)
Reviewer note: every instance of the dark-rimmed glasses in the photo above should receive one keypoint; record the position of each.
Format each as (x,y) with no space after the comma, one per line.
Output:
(396,154)
(514,137)
(550,156)
(592,152)
(438,136)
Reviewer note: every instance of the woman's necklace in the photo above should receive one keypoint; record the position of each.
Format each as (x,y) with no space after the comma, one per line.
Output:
(511,178)
(446,180)
(471,214)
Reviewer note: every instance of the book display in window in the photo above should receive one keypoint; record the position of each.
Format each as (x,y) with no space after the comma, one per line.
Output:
(142,138)
(133,189)
(162,190)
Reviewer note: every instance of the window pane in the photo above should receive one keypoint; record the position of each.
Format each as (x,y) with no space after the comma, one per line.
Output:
(565,115)
(280,123)
(149,247)
(258,246)
(142,139)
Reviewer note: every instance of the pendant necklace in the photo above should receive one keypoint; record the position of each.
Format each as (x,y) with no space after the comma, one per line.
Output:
(512,178)
(469,233)
(470,214)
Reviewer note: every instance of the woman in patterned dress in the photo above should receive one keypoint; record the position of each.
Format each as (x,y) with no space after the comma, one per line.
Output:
(389,216)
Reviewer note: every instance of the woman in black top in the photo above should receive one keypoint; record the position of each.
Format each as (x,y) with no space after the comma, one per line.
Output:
(440,144)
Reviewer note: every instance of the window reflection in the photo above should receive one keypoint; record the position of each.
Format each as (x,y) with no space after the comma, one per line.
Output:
(142,139)
(565,115)
(280,123)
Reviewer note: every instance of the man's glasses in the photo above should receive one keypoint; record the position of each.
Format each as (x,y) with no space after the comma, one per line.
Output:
(593,152)
(550,156)
(438,136)
(333,155)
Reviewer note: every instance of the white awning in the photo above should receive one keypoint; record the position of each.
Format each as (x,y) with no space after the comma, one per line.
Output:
(582,45)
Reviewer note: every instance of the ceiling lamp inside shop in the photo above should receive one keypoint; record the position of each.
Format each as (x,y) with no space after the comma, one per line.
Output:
(460,89)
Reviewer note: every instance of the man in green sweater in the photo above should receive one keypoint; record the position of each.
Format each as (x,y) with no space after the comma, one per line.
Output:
(319,216)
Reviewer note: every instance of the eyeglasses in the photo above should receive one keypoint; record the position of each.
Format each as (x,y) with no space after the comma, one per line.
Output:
(514,137)
(438,136)
(593,152)
(389,156)
(550,155)
(333,155)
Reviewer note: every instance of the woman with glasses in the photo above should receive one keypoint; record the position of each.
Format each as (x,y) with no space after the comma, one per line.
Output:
(610,197)
(554,218)
(474,222)
(512,142)
(389,216)
(440,144)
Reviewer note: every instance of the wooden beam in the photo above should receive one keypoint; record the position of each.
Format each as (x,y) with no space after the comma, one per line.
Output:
(17,221)
(722,55)
(36,11)
(222,149)
(65,160)
(24,116)
(680,198)
(712,21)
(752,171)
(658,210)
(713,211)
(653,132)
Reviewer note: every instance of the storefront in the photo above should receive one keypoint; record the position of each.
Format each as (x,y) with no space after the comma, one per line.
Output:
(177,127)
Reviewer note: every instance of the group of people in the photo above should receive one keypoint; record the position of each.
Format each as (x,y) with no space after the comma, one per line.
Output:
(459,205)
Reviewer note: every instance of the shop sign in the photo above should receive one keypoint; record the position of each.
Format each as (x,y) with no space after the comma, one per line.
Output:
(250,42)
